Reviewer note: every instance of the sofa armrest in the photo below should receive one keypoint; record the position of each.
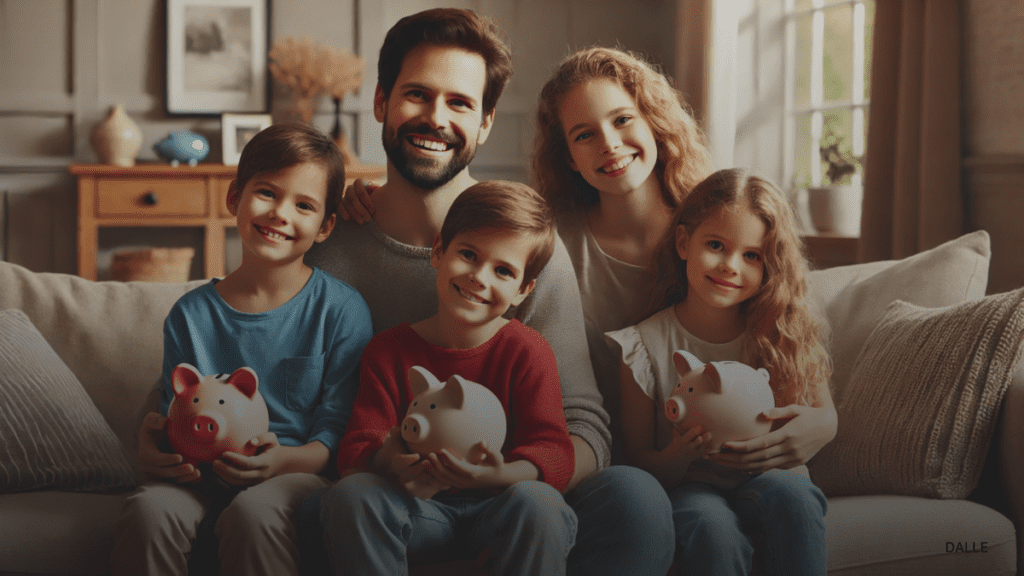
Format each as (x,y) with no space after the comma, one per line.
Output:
(1011,465)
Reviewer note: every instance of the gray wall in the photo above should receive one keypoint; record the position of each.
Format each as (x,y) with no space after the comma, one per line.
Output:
(63,63)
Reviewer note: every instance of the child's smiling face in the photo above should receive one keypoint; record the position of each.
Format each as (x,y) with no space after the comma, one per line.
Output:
(281,214)
(724,264)
(480,274)
(611,144)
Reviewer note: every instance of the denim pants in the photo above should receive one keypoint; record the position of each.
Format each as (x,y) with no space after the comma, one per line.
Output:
(372,527)
(782,508)
(624,527)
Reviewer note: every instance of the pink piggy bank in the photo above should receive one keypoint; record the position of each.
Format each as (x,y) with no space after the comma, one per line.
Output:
(215,414)
(723,398)
(456,415)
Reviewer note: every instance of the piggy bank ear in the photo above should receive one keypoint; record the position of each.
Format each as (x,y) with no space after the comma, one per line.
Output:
(421,380)
(455,391)
(184,376)
(714,377)
(764,373)
(245,380)
(685,362)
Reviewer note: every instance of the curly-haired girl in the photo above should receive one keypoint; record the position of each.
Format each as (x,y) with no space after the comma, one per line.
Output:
(731,286)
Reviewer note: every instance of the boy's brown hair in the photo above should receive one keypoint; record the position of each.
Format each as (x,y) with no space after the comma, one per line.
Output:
(285,145)
(453,27)
(501,205)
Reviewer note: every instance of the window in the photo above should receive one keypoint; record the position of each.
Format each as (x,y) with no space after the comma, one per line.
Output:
(827,86)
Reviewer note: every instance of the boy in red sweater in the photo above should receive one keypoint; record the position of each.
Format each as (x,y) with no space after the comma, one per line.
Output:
(392,507)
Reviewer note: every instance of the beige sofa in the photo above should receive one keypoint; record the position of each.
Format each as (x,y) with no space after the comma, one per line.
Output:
(109,335)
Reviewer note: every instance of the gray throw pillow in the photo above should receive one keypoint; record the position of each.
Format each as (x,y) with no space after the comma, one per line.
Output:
(52,437)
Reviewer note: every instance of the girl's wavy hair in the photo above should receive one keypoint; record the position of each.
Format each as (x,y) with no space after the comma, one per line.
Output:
(683,158)
(783,336)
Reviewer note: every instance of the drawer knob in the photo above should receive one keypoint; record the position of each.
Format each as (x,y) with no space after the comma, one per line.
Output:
(150,199)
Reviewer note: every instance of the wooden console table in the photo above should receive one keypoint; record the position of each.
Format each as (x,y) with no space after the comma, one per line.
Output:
(826,250)
(159,195)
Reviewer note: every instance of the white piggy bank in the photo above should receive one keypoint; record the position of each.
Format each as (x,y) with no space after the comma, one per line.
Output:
(456,415)
(723,398)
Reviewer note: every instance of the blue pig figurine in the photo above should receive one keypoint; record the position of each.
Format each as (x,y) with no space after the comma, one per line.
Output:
(183,146)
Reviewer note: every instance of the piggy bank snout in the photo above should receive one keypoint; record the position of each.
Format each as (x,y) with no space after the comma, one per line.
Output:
(415,428)
(208,427)
(675,409)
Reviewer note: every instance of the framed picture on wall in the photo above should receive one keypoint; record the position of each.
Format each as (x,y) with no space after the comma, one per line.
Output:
(236,131)
(217,56)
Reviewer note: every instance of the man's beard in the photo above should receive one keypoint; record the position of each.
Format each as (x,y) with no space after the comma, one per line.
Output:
(426,173)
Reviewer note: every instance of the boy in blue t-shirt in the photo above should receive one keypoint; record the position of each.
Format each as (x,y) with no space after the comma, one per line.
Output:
(302,332)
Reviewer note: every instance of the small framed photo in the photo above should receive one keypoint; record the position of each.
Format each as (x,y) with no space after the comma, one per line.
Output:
(236,131)
(217,56)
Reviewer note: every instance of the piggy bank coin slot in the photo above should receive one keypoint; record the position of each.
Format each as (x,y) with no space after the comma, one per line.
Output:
(150,199)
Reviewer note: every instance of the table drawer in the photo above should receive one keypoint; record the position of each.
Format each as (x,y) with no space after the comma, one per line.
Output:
(168,197)
(220,186)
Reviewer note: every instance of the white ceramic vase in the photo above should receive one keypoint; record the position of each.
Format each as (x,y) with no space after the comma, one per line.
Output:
(117,138)
(836,209)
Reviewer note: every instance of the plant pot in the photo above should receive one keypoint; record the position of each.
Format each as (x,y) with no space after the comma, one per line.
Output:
(836,209)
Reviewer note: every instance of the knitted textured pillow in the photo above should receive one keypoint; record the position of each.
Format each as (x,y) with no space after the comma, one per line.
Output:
(929,384)
(51,434)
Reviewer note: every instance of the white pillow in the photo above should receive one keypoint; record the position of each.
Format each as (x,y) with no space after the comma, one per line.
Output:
(853,298)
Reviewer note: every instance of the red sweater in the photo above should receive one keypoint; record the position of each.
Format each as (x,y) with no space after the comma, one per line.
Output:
(516,364)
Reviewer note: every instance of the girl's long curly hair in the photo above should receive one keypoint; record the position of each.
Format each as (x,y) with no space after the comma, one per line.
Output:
(783,336)
(683,158)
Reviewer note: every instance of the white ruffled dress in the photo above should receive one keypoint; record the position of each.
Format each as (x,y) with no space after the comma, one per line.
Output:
(647,350)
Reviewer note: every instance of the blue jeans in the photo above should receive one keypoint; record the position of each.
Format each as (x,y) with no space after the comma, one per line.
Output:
(372,527)
(713,526)
(625,524)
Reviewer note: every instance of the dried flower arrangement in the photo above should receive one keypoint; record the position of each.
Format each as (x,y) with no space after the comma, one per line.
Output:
(311,69)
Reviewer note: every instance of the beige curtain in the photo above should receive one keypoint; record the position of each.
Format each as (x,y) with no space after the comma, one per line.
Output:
(913,197)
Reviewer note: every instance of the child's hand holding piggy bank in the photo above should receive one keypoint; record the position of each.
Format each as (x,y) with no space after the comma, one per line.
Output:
(215,414)
(724,398)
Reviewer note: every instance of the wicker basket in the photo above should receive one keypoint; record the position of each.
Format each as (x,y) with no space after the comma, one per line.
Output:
(152,265)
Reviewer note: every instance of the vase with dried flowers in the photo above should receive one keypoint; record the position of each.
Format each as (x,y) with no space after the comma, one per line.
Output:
(311,69)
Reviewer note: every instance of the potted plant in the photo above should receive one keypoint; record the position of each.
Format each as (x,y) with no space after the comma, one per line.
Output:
(835,205)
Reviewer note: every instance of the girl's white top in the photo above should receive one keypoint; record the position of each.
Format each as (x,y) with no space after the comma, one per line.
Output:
(647,349)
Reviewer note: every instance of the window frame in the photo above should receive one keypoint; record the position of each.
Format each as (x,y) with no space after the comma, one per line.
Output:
(858,104)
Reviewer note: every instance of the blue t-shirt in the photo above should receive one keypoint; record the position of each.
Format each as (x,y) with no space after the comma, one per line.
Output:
(305,352)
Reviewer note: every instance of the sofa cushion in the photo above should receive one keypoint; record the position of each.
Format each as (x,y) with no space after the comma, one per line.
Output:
(852,298)
(899,535)
(929,386)
(57,532)
(53,435)
(110,334)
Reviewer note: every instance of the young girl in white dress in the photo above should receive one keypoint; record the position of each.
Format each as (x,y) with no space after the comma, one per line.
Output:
(731,286)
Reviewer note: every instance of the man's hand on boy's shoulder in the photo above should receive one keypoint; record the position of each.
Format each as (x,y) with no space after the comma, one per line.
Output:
(355,202)
(156,464)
